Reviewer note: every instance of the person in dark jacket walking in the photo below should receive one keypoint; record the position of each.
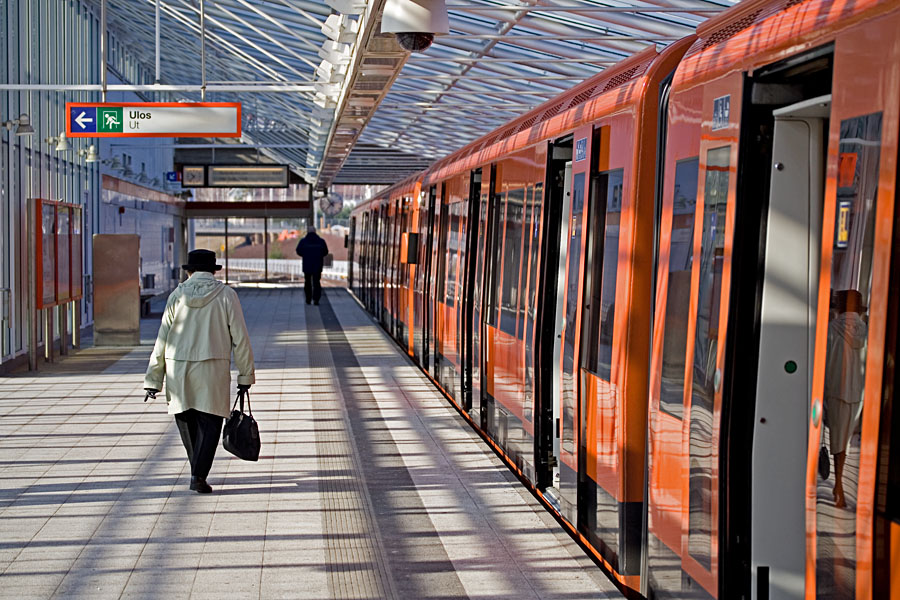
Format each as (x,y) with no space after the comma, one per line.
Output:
(313,250)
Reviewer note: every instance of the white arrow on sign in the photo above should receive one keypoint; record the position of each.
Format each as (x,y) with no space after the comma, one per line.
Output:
(81,120)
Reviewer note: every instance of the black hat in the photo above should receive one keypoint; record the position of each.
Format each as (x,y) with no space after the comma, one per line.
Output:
(201,260)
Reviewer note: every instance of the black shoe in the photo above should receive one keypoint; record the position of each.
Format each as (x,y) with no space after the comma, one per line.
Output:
(317,302)
(308,302)
(200,486)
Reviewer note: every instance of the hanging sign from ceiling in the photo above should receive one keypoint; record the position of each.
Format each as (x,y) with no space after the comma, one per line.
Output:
(153,119)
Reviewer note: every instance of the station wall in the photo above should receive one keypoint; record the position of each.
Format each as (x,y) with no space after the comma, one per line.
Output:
(56,42)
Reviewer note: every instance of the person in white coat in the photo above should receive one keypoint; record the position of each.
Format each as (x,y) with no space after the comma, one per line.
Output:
(201,326)
(845,379)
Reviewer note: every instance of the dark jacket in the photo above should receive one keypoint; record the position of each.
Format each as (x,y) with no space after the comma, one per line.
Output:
(313,250)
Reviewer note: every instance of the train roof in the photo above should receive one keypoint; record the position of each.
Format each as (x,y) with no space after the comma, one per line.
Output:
(758,32)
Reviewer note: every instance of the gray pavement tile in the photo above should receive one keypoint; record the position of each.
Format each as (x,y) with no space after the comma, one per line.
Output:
(294,526)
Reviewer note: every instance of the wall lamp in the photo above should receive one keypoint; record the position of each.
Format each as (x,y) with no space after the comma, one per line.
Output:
(61,141)
(22,125)
(90,154)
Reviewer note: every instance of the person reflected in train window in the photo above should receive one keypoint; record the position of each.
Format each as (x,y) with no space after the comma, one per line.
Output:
(844,380)
(202,324)
(313,250)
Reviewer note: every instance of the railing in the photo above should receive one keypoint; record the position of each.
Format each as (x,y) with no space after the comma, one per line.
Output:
(289,267)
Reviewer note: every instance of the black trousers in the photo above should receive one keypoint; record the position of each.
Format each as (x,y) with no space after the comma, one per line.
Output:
(200,433)
(312,286)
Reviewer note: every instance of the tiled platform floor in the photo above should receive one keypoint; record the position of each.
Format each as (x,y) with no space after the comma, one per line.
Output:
(369,484)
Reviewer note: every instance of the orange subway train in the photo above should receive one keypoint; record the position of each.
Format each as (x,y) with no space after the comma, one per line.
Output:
(670,300)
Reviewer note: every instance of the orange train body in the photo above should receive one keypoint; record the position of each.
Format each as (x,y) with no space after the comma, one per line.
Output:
(591,286)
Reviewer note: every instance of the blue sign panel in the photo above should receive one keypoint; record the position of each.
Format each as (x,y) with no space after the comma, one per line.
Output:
(172,176)
(721,112)
(83,119)
(580,149)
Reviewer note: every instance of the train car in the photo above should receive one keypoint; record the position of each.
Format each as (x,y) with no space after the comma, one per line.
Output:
(778,198)
(523,225)
(669,298)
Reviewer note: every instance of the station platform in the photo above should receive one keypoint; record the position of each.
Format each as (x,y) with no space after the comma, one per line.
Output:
(369,484)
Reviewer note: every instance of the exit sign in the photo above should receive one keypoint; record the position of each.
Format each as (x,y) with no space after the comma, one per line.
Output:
(153,119)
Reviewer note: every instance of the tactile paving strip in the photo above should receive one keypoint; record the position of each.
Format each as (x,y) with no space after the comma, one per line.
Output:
(356,565)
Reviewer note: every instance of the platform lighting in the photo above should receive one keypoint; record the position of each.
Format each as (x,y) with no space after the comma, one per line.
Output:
(22,125)
(61,141)
(336,53)
(331,90)
(348,7)
(330,73)
(90,154)
(341,28)
(323,101)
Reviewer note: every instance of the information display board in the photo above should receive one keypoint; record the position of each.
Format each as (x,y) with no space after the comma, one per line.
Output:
(58,262)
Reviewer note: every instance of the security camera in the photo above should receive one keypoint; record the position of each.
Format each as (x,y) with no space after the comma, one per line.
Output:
(415,22)
(415,41)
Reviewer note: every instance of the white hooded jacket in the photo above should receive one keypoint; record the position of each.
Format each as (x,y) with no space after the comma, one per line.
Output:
(202,324)
(846,358)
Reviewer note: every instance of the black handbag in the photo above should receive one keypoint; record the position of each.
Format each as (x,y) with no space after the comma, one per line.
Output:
(241,433)
(824,463)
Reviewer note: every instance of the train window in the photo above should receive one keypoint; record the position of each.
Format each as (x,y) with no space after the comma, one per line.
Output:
(601,269)
(453,248)
(613,202)
(859,153)
(498,224)
(512,258)
(535,247)
(678,290)
(442,251)
(706,345)
(534,233)
(527,223)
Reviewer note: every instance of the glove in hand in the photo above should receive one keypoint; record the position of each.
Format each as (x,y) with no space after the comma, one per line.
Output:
(151,393)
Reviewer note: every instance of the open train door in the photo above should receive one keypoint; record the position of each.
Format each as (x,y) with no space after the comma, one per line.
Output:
(853,535)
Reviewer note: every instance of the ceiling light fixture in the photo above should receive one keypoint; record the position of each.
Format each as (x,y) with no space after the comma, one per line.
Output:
(341,28)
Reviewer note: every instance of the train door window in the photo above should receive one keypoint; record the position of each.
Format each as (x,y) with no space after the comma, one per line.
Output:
(527,220)
(512,255)
(859,154)
(706,344)
(534,233)
(443,253)
(453,246)
(602,267)
(495,280)
(678,288)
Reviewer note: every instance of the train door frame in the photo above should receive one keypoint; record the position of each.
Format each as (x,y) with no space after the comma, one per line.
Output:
(440,291)
(778,532)
(488,287)
(468,295)
(351,247)
(377,271)
(886,530)
(546,423)
(428,298)
(787,83)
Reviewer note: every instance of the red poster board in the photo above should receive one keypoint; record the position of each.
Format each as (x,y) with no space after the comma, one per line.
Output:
(58,262)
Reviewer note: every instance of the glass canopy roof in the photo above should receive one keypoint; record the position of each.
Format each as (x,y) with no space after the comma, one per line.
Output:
(500,59)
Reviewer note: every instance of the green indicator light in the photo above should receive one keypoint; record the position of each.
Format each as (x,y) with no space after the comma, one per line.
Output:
(790,366)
